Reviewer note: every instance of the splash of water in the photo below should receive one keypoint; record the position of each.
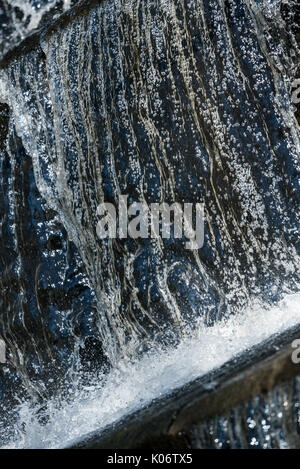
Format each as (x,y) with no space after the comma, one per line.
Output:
(134,384)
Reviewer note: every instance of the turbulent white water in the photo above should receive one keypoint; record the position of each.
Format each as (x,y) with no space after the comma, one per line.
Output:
(135,384)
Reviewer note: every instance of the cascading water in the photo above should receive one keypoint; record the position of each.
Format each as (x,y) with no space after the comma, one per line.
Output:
(163,101)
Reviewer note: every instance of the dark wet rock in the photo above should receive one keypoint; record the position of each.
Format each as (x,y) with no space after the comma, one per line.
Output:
(46,303)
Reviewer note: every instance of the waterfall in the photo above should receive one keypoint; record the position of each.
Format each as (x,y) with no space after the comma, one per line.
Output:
(164,101)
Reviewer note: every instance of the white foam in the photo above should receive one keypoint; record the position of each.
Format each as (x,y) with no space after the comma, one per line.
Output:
(133,385)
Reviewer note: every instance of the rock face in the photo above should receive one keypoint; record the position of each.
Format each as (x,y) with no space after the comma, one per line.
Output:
(48,310)
(163,101)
